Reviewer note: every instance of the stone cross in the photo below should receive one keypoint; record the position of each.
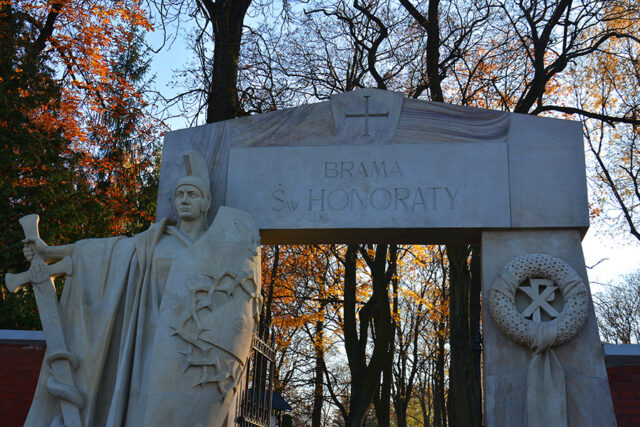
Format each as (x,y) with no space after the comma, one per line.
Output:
(59,362)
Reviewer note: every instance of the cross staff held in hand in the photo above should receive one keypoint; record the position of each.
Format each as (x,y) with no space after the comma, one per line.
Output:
(59,361)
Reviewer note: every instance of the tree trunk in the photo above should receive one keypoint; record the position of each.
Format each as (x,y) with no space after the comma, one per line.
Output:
(475,334)
(462,373)
(227,18)
(383,399)
(405,374)
(439,406)
(358,402)
(401,414)
(383,403)
(268,303)
(424,395)
(375,314)
(316,414)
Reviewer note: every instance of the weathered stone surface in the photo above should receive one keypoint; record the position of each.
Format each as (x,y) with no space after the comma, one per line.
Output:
(432,121)
(366,117)
(211,141)
(436,185)
(157,327)
(199,353)
(180,309)
(547,173)
(545,165)
(516,178)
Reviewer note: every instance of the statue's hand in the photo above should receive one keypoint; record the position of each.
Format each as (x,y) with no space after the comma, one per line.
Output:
(34,246)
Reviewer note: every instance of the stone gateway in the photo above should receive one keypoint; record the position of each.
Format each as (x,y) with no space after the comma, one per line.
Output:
(159,325)
(370,166)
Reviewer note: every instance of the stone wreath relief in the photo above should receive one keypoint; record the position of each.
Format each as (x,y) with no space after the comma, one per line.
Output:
(539,301)
(153,329)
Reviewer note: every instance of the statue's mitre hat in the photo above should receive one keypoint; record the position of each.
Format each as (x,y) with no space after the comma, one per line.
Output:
(197,172)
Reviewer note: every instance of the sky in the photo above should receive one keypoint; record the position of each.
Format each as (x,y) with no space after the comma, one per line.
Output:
(607,255)
(618,255)
(165,63)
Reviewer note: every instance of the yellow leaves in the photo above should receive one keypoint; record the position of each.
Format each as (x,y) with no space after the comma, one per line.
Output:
(308,289)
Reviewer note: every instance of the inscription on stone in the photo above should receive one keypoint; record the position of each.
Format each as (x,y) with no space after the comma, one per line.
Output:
(431,185)
(380,198)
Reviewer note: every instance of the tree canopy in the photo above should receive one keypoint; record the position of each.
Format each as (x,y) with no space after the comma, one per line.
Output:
(79,146)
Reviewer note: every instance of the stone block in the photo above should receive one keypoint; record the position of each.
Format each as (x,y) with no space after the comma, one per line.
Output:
(468,147)
(436,185)
(547,173)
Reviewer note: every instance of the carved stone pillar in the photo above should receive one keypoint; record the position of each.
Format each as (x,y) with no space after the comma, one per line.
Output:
(508,360)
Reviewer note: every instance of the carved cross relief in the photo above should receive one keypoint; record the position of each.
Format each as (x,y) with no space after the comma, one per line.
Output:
(366,115)
(540,293)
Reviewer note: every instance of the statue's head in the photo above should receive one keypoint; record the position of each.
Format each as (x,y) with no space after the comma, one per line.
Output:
(193,196)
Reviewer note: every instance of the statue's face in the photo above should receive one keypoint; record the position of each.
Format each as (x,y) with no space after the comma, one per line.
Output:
(190,202)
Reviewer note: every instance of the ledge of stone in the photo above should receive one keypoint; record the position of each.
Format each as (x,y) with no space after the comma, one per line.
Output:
(10,336)
(621,354)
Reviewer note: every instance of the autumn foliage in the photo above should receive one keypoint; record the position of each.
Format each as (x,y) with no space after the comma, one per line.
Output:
(306,292)
(77,143)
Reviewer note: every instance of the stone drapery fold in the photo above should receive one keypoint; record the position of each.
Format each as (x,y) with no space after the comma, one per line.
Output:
(161,326)
(546,402)
(99,310)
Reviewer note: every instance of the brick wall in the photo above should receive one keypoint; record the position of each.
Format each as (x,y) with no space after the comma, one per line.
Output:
(625,391)
(19,369)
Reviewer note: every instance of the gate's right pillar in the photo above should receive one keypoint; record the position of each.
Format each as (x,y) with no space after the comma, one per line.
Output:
(508,367)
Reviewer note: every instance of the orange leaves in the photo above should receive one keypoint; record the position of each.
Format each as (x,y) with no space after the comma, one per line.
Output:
(424,283)
(86,38)
(101,108)
(308,289)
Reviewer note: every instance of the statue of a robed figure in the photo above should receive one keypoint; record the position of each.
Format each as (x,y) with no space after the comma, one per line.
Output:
(153,329)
